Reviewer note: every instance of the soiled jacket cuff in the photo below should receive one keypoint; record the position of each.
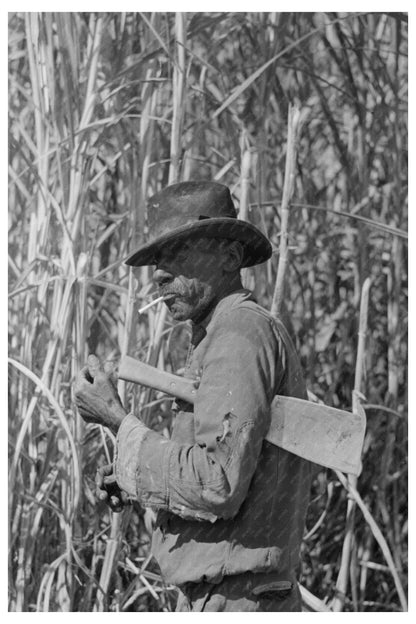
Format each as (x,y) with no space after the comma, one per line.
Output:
(127,460)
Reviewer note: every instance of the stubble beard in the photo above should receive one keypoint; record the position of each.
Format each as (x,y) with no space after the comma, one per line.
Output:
(191,302)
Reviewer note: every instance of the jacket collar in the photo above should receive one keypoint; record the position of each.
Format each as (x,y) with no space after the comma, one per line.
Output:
(199,330)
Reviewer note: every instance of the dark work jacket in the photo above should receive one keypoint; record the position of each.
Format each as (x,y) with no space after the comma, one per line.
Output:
(228,501)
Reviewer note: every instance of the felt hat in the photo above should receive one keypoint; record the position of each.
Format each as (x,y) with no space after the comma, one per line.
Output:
(193,210)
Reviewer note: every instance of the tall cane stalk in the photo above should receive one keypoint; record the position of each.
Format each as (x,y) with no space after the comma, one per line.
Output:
(113,543)
(293,130)
(377,534)
(179,87)
(244,201)
(344,571)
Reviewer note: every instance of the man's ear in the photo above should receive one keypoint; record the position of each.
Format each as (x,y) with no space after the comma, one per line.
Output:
(234,257)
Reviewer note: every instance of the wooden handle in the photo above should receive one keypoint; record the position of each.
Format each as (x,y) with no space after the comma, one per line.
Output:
(151,377)
(321,434)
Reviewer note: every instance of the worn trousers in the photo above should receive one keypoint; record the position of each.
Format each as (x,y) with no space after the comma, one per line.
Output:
(239,593)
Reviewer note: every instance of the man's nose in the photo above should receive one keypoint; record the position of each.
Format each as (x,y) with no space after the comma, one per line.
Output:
(162,277)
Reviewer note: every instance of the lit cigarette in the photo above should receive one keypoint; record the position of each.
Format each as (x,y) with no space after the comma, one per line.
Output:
(154,302)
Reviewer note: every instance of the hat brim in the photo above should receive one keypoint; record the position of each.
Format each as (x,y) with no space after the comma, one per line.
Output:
(257,247)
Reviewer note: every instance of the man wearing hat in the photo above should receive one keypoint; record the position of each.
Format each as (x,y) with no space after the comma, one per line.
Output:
(231,506)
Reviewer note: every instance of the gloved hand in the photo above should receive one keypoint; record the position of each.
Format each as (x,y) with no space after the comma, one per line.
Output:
(96,397)
(108,491)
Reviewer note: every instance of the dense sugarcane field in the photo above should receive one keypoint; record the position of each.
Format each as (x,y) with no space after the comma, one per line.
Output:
(304,117)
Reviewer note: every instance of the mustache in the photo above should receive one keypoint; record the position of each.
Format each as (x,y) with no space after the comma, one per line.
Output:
(177,288)
(173,290)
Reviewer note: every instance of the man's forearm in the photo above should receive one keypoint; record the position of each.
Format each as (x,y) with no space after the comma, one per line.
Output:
(130,435)
(186,479)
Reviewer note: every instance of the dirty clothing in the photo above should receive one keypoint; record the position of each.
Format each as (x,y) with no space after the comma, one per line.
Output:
(240,593)
(228,501)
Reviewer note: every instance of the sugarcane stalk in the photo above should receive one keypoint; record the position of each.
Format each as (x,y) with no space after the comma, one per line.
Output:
(344,571)
(179,87)
(113,543)
(244,200)
(377,534)
(293,131)
(245,185)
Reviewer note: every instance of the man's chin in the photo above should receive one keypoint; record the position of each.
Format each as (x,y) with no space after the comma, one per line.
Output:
(180,311)
(180,316)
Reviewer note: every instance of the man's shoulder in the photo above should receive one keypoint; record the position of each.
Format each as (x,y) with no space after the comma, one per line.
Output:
(253,307)
(240,303)
(241,312)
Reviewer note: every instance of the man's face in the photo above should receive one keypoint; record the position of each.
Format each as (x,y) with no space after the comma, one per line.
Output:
(192,273)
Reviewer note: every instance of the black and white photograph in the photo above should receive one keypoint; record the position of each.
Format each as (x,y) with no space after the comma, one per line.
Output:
(207,311)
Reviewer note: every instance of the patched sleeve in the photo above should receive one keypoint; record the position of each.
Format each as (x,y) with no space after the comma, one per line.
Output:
(231,413)
(210,479)
(129,440)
